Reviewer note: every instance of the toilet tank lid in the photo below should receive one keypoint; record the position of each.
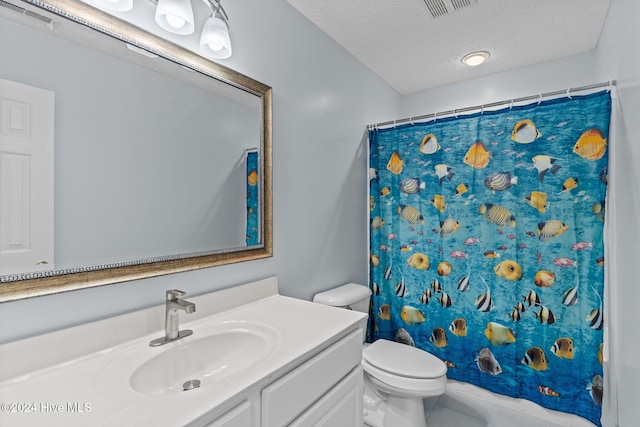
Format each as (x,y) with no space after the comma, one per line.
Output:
(343,295)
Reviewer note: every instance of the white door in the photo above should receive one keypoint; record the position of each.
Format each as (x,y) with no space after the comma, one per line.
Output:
(26,178)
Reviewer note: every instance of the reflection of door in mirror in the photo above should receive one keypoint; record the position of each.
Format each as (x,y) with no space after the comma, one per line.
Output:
(26,178)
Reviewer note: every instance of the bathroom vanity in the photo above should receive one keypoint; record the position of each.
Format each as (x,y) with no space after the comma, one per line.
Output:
(255,358)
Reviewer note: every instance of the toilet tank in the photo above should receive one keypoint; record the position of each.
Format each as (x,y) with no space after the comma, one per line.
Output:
(352,296)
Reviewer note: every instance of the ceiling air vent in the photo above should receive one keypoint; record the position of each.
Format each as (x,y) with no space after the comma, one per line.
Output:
(26,12)
(439,8)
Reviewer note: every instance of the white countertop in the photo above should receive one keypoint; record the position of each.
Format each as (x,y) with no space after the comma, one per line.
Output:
(98,382)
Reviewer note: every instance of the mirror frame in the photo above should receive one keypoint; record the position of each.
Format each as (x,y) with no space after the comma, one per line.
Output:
(83,14)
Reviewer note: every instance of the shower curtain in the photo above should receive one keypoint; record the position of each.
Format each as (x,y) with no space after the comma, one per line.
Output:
(486,246)
(253,198)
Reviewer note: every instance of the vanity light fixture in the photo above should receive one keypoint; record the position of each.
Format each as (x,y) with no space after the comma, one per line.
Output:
(474,59)
(176,17)
(214,40)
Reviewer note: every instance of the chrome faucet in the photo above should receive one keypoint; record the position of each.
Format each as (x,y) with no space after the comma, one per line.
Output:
(172,330)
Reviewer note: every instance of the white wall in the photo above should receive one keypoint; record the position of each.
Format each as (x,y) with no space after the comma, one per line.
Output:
(322,101)
(618,56)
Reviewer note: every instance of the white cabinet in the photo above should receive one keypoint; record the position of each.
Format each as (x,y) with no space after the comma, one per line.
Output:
(288,397)
(239,416)
(326,390)
(339,407)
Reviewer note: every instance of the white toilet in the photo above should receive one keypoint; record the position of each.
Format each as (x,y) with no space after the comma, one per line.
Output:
(397,376)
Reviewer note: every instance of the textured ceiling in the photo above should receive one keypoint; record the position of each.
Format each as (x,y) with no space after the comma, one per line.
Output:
(408,48)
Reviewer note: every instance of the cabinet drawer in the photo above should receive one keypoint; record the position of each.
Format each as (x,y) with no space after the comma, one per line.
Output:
(289,396)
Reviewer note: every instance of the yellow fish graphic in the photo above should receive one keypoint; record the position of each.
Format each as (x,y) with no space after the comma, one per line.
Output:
(375,260)
(563,348)
(569,184)
(538,200)
(438,337)
(384,312)
(458,327)
(444,268)
(544,278)
(535,359)
(591,145)
(376,223)
(461,189)
(600,354)
(395,164)
(550,229)
(439,202)
(411,315)
(448,226)
(508,269)
(418,261)
(477,157)
(252,178)
(499,334)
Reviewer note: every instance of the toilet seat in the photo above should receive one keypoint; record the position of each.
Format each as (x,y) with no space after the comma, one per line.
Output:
(403,360)
(404,370)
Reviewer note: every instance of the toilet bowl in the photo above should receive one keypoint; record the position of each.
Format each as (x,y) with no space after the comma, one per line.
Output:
(397,377)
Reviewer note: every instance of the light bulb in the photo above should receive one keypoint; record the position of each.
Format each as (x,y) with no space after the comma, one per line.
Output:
(216,42)
(175,21)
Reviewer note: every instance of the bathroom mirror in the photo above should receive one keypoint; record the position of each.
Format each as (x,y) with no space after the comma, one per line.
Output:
(161,158)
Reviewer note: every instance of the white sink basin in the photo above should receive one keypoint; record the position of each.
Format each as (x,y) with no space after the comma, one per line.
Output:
(199,360)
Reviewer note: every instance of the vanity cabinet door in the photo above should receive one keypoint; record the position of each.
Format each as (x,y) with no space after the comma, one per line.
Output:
(340,407)
(286,398)
(239,416)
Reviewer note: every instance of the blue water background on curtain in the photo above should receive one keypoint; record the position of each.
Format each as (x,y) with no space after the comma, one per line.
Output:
(253,197)
(436,220)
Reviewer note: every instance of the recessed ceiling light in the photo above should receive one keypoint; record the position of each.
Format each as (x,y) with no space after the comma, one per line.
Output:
(475,58)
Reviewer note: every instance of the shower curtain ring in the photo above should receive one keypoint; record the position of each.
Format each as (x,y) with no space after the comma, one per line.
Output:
(455,113)
(568,93)
(511,105)
(435,117)
(540,99)
(609,88)
(482,110)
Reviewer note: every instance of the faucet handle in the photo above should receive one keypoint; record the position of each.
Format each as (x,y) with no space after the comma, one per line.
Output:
(174,294)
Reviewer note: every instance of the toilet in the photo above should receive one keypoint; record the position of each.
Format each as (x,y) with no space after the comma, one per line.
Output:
(397,377)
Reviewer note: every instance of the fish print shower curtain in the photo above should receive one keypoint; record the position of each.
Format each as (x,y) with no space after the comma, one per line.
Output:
(487,248)
(253,198)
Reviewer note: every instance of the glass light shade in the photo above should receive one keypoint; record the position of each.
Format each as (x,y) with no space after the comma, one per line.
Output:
(116,5)
(175,16)
(214,40)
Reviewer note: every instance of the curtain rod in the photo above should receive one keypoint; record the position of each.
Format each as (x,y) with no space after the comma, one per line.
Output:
(482,107)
